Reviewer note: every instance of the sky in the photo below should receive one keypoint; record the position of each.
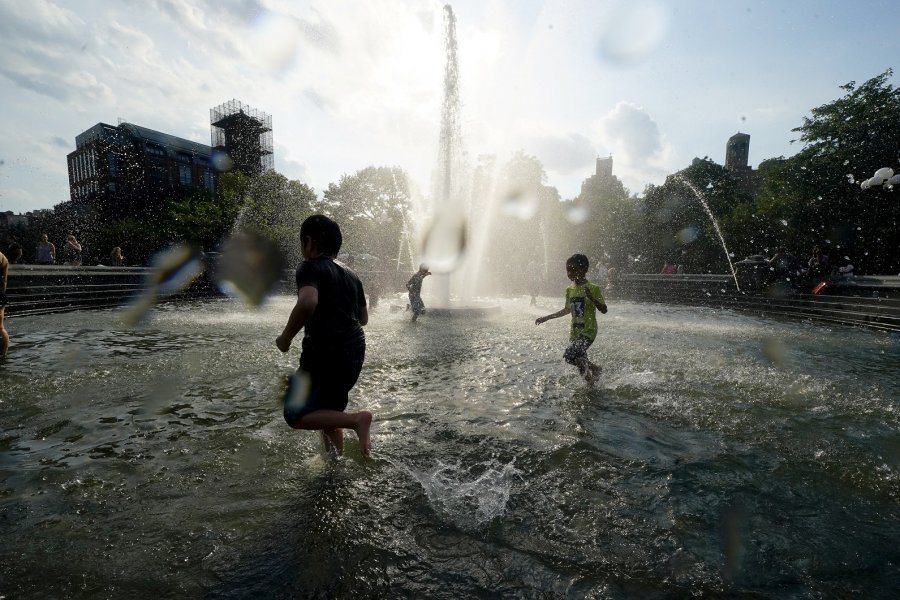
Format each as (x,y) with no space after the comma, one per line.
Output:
(350,84)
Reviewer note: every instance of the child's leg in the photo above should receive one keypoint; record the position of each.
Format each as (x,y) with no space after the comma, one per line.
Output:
(576,354)
(593,373)
(4,336)
(323,419)
(333,441)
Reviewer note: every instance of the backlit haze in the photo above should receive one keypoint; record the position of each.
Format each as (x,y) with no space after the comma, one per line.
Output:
(353,84)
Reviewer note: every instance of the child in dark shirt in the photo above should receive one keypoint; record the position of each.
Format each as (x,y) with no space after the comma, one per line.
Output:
(331,308)
(414,286)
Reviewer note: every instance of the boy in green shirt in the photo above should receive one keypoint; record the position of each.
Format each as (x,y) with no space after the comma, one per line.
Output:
(582,299)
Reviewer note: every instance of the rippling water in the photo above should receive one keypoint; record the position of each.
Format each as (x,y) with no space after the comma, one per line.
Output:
(720,455)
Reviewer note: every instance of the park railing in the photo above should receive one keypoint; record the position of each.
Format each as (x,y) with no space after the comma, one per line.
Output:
(864,301)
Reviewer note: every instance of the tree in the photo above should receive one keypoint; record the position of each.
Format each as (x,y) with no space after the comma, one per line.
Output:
(602,217)
(817,192)
(678,228)
(371,207)
(203,218)
(273,207)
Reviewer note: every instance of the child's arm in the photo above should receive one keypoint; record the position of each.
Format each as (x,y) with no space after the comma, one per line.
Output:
(601,306)
(363,314)
(559,313)
(307,300)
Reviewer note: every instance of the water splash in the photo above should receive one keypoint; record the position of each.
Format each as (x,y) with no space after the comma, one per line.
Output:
(715,223)
(469,497)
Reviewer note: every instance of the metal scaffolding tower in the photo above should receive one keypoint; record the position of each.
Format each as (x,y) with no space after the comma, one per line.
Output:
(245,134)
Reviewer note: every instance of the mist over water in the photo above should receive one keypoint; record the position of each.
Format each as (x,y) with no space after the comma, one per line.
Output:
(720,454)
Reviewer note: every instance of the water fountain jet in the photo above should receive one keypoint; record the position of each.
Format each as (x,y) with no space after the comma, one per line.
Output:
(448,239)
(715,223)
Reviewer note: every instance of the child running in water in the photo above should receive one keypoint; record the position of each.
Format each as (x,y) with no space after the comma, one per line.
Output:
(331,307)
(582,299)
(414,285)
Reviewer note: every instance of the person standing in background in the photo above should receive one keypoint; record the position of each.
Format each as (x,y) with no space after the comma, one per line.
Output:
(116,259)
(46,251)
(71,252)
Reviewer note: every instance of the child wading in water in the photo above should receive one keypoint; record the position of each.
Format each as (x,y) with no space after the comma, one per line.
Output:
(331,307)
(582,299)
(414,285)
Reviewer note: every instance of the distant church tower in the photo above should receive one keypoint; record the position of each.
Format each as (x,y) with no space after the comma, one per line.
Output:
(737,152)
(601,177)
(604,167)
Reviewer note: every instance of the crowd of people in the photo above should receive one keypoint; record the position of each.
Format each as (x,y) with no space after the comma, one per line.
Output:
(786,265)
(69,253)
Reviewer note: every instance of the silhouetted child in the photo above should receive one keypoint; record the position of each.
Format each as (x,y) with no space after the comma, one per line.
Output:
(582,299)
(414,285)
(331,308)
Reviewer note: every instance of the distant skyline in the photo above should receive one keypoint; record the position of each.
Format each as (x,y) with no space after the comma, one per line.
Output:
(353,84)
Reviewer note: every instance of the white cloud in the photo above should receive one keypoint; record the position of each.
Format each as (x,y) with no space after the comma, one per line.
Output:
(292,168)
(641,153)
(562,153)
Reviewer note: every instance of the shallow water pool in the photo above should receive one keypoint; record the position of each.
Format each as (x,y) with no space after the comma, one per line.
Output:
(720,455)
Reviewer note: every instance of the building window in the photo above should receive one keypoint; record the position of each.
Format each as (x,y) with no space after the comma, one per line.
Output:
(184,174)
(158,172)
(209,181)
(155,150)
(115,165)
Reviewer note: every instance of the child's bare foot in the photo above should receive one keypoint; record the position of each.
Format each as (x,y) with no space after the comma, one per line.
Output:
(592,374)
(363,425)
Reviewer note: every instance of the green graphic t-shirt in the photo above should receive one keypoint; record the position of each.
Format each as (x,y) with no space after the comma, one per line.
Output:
(583,309)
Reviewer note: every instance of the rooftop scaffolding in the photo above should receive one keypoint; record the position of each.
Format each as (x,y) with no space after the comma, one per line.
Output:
(245,134)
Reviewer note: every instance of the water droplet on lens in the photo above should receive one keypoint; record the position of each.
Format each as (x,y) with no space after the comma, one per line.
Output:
(249,267)
(444,245)
(174,269)
(634,31)
(688,234)
(221,161)
(296,392)
(773,349)
(276,38)
(577,214)
(518,203)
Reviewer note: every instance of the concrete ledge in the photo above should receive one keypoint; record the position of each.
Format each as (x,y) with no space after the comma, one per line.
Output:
(41,289)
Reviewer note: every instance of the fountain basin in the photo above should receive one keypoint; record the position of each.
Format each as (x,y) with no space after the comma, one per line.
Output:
(153,461)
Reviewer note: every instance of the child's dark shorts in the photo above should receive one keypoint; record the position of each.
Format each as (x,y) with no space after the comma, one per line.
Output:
(577,351)
(330,381)
(3,299)
(416,304)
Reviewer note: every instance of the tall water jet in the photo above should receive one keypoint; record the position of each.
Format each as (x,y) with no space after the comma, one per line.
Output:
(715,223)
(445,240)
